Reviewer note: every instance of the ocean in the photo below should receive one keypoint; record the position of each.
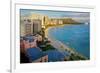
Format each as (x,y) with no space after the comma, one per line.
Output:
(74,36)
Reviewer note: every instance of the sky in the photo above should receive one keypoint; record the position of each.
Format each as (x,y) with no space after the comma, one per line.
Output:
(78,16)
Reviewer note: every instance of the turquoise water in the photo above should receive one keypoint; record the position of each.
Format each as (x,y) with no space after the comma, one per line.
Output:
(74,36)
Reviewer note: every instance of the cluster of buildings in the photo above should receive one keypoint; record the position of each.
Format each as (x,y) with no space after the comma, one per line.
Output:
(31,24)
(36,22)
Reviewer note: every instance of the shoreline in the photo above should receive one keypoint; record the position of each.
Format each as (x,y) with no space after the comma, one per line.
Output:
(59,45)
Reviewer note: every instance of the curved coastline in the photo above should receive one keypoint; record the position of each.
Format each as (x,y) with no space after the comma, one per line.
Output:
(59,45)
